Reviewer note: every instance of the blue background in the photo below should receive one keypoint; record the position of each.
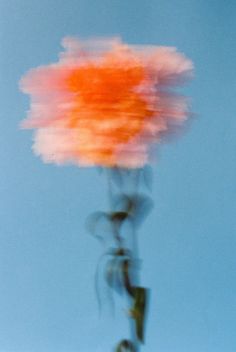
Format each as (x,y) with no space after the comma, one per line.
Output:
(47,260)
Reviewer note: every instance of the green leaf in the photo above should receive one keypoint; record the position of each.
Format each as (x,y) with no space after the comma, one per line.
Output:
(138,310)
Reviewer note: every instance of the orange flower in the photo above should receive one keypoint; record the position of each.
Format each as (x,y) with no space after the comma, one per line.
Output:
(104,103)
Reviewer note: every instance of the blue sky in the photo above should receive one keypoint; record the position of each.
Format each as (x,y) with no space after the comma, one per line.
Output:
(187,244)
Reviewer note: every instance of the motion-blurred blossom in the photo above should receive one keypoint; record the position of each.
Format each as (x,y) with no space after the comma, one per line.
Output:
(105,103)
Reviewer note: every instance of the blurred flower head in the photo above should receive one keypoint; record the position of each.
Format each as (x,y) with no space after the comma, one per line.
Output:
(104,102)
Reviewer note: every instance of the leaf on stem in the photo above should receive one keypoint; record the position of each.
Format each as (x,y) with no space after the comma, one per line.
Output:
(138,310)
